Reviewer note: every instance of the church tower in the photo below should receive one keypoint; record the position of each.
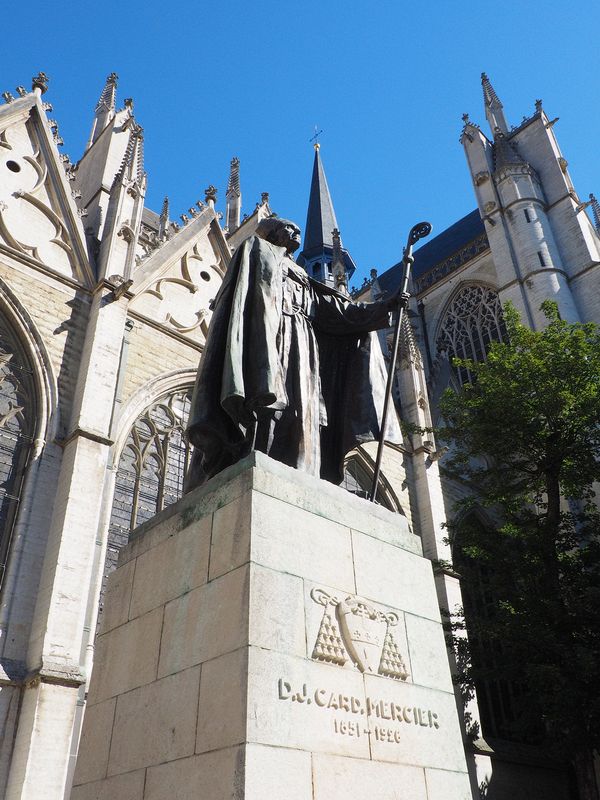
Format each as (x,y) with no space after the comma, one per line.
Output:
(544,246)
(323,255)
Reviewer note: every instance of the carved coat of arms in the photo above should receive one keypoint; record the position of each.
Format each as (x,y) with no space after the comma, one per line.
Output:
(353,629)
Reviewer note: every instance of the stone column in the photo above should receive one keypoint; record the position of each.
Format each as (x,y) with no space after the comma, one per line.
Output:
(271,635)
(56,651)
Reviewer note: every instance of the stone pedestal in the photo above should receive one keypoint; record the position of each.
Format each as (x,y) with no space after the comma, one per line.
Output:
(271,636)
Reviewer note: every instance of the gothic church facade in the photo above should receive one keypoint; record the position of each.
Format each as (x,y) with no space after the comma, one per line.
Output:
(104,310)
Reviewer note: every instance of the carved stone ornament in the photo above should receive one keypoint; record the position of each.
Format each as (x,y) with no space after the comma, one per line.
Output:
(29,219)
(489,207)
(481,177)
(181,298)
(354,630)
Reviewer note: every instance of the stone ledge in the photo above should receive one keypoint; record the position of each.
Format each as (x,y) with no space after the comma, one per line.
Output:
(267,476)
(60,673)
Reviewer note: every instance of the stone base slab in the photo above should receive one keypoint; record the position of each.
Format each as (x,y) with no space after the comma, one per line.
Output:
(271,635)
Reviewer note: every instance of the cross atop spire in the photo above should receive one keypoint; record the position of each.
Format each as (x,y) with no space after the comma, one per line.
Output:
(493,107)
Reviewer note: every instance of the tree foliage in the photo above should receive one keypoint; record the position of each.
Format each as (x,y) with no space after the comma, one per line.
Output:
(525,446)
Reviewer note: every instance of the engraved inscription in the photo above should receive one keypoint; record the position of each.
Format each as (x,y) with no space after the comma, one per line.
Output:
(353,629)
(381,719)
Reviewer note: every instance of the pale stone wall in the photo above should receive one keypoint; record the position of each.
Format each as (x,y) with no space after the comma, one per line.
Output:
(210,635)
(152,352)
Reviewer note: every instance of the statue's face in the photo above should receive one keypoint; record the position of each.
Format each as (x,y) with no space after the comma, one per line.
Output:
(289,237)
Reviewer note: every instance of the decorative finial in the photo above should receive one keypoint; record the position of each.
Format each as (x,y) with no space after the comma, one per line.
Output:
(595,211)
(40,81)
(538,105)
(337,263)
(233,184)
(108,94)
(489,95)
(163,222)
(21,91)
(128,103)
(465,118)
(7,97)
(210,195)
(264,198)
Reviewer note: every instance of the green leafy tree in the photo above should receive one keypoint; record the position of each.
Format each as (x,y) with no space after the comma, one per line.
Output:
(524,440)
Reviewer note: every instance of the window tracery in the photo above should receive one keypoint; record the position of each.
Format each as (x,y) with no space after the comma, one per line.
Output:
(17,429)
(473,320)
(151,470)
(358,478)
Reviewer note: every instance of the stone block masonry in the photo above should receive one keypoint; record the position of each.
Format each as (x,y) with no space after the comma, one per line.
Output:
(271,635)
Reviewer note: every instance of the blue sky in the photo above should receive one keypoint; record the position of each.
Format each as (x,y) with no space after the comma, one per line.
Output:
(387,82)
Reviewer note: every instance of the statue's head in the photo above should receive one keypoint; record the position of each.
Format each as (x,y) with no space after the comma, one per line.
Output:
(282,232)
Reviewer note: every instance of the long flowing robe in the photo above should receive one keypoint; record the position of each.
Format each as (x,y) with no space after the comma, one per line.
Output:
(296,356)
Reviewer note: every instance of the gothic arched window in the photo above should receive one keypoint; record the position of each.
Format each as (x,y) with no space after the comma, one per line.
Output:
(150,473)
(17,428)
(358,479)
(473,320)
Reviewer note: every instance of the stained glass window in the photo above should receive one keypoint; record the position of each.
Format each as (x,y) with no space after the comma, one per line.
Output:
(17,428)
(150,472)
(358,479)
(473,320)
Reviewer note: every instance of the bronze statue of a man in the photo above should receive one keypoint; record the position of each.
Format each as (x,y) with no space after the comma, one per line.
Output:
(290,367)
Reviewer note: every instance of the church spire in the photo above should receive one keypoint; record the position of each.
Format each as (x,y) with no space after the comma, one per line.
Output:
(105,108)
(233,197)
(493,107)
(505,152)
(320,219)
(317,254)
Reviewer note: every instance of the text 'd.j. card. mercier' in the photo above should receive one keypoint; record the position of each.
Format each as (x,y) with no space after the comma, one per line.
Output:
(354,632)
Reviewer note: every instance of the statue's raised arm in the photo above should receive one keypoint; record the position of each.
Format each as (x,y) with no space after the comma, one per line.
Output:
(290,367)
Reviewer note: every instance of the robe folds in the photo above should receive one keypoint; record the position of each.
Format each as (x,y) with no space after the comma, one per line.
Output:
(289,364)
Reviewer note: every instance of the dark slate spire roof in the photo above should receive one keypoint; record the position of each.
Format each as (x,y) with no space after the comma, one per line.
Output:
(505,152)
(446,244)
(320,219)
